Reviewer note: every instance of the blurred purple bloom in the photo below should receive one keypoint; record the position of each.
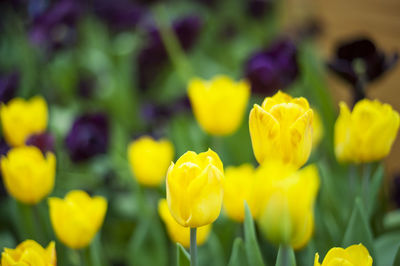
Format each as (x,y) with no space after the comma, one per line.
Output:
(272,69)
(119,14)
(86,87)
(157,113)
(395,190)
(8,86)
(374,62)
(88,136)
(259,8)
(44,141)
(152,57)
(55,27)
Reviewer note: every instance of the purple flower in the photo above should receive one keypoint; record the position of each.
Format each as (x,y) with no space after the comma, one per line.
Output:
(119,14)
(55,27)
(258,8)
(272,69)
(8,86)
(395,190)
(88,136)
(44,141)
(152,57)
(360,56)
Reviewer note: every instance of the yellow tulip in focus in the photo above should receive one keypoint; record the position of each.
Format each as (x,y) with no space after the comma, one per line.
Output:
(149,160)
(177,232)
(239,186)
(195,188)
(287,215)
(355,255)
(27,174)
(367,133)
(21,118)
(29,253)
(281,129)
(219,104)
(318,130)
(77,218)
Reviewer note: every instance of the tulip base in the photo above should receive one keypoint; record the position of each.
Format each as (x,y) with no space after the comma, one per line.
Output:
(193,247)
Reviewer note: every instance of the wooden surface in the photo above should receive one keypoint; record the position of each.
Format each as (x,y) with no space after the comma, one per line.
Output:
(378,19)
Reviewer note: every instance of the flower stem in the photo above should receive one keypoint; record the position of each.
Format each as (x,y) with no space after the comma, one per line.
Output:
(365,184)
(193,247)
(285,255)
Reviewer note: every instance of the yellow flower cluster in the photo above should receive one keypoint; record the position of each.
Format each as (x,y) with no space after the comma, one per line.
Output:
(29,253)
(351,256)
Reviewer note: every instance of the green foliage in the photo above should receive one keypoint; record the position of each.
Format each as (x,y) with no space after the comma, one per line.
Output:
(254,256)
(182,256)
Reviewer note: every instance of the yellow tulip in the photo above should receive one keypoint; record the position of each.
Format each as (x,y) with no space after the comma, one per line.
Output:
(239,186)
(21,118)
(77,218)
(281,129)
(367,133)
(28,175)
(149,160)
(355,255)
(318,130)
(287,215)
(219,104)
(177,232)
(29,253)
(195,188)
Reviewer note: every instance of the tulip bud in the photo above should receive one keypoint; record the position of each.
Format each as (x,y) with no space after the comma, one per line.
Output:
(77,218)
(177,232)
(28,175)
(149,160)
(353,255)
(219,104)
(30,253)
(21,118)
(240,186)
(195,188)
(281,129)
(367,133)
(287,215)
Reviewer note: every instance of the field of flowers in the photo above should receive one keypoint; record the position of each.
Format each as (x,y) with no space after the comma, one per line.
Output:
(137,132)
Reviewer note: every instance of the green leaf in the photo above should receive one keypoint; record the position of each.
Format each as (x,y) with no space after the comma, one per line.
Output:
(386,247)
(250,241)
(182,256)
(238,256)
(397,258)
(358,229)
(285,256)
(376,183)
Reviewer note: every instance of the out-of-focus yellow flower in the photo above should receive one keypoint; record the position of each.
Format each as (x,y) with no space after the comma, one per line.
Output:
(29,253)
(195,188)
(287,215)
(281,129)
(177,232)
(367,133)
(21,118)
(77,218)
(318,130)
(149,160)
(219,104)
(28,175)
(355,255)
(239,186)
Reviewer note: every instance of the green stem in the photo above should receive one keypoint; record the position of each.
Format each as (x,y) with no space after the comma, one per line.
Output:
(172,45)
(365,184)
(28,223)
(193,247)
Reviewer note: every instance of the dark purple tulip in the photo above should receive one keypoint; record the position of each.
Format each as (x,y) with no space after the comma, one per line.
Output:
(152,57)
(396,190)
(44,141)
(272,69)
(88,137)
(258,8)
(55,27)
(359,62)
(8,86)
(119,14)
(156,113)
(86,87)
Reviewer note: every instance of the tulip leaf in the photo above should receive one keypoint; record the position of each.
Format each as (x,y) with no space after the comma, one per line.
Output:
(358,229)
(285,256)
(238,256)
(386,247)
(397,258)
(182,256)
(376,182)
(250,241)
